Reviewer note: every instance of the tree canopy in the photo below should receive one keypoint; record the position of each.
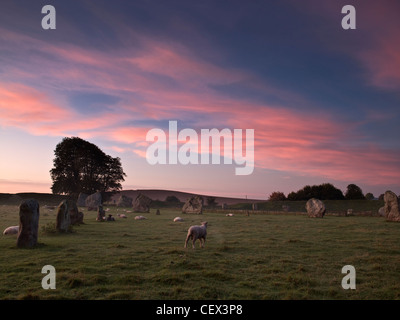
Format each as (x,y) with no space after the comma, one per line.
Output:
(354,192)
(325,191)
(80,166)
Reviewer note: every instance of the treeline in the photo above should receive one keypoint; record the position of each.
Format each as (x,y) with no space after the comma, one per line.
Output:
(325,191)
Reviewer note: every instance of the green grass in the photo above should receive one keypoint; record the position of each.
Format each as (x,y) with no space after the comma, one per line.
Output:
(246,257)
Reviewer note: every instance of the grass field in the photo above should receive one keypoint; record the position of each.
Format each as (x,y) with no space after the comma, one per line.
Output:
(246,257)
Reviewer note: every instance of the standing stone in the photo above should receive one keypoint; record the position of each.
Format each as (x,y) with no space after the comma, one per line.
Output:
(82,199)
(101,214)
(68,214)
(193,205)
(315,208)
(142,203)
(391,206)
(93,201)
(28,223)
(158,212)
(63,215)
(124,201)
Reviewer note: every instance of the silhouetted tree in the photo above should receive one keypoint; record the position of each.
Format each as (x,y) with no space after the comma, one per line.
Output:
(172,199)
(369,196)
(325,191)
(277,196)
(354,192)
(80,166)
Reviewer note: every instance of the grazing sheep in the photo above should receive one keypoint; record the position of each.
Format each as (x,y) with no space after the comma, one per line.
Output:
(197,232)
(110,218)
(11,230)
(229,214)
(178,219)
(122,215)
(140,218)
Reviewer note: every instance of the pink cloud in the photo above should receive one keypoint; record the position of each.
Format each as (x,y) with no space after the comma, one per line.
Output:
(286,140)
(27,108)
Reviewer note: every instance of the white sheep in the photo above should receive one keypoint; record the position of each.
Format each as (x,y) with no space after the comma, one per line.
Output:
(140,218)
(197,232)
(229,214)
(11,230)
(178,219)
(122,215)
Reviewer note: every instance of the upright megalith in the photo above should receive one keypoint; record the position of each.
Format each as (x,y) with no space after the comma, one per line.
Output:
(142,203)
(101,214)
(63,216)
(315,208)
(193,205)
(391,206)
(68,214)
(82,199)
(93,201)
(28,223)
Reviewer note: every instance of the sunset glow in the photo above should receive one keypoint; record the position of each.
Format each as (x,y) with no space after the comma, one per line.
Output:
(323,102)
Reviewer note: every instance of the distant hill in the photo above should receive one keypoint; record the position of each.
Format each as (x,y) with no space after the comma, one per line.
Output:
(161,195)
(154,194)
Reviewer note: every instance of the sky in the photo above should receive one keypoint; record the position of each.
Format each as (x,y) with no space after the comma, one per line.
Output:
(324,102)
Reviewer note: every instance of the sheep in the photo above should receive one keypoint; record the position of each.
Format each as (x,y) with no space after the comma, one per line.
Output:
(197,232)
(11,230)
(178,219)
(110,218)
(229,214)
(122,215)
(140,218)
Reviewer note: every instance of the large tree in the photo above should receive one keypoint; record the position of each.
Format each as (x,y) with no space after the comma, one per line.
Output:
(354,192)
(80,166)
(325,191)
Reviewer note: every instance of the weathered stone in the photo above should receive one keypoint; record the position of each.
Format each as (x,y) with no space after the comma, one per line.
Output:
(101,214)
(193,205)
(381,212)
(391,206)
(315,208)
(28,223)
(68,214)
(82,199)
(142,203)
(63,215)
(158,212)
(93,201)
(124,201)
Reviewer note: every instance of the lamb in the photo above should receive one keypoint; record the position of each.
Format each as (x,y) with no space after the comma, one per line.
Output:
(11,230)
(197,232)
(178,219)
